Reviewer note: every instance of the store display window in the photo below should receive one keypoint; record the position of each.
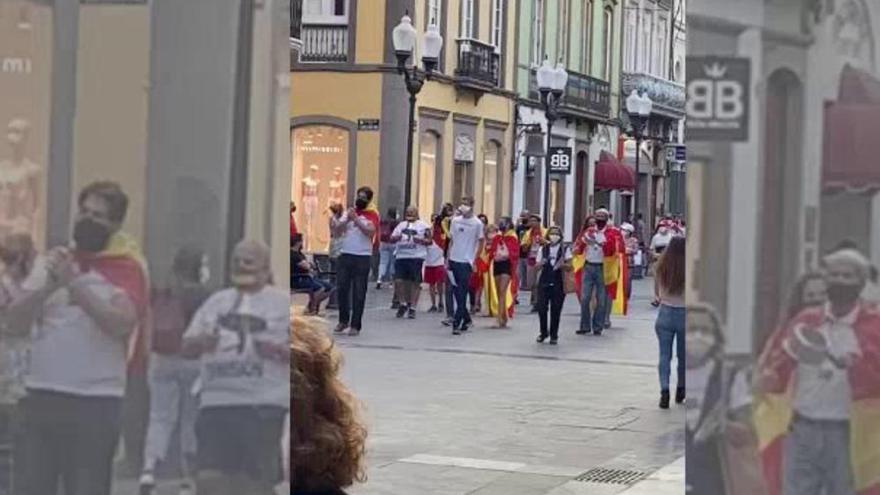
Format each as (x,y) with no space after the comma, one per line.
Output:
(320,170)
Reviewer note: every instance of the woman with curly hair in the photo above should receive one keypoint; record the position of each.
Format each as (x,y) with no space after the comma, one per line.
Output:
(328,437)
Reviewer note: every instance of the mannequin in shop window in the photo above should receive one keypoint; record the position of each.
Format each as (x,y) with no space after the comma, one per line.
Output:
(310,206)
(336,188)
(19,184)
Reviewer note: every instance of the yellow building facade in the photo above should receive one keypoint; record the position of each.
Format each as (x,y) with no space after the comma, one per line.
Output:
(350,108)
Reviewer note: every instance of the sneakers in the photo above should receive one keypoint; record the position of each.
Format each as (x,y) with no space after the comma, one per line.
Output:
(340,328)
(147,484)
(354,332)
(432,309)
(541,339)
(456,331)
(553,341)
(401,310)
(411,313)
(664,399)
(679,395)
(582,332)
(447,322)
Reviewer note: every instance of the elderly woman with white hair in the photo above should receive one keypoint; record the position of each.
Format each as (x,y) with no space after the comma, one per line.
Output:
(821,371)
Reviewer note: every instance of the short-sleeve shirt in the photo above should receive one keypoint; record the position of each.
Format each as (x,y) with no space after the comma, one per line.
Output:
(234,374)
(466,234)
(410,232)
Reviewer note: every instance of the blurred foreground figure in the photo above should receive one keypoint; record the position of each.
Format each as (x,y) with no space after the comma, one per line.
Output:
(328,441)
(818,419)
(82,303)
(241,334)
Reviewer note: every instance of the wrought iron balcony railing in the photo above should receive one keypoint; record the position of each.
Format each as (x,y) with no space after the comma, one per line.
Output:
(668,96)
(583,94)
(296,10)
(478,64)
(324,43)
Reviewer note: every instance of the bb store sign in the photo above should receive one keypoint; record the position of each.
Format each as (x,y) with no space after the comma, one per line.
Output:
(718,99)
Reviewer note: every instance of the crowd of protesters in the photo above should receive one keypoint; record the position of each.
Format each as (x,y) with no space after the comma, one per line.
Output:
(81,322)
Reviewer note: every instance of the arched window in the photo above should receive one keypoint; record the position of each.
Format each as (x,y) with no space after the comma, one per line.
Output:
(428,158)
(491,180)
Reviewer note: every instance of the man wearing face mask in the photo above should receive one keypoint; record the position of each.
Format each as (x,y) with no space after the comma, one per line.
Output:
(466,242)
(241,335)
(357,229)
(86,306)
(827,357)
(599,248)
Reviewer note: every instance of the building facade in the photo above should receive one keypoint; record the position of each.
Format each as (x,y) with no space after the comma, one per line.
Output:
(585,36)
(654,61)
(349,108)
(804,179)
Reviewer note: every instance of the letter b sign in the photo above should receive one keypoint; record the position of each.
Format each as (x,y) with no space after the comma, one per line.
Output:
(718,98)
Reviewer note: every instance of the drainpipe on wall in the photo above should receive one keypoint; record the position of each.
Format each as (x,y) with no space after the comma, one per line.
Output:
(513,155)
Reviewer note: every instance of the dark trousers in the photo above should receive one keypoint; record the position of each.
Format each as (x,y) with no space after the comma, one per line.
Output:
(241,440)
(462,274)
(550,299)
(71,440)
(450,300)
(352,275)
(12,450)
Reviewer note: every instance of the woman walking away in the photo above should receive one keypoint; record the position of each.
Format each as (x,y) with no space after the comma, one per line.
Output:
(503,253)
(328,437)
(670,323)
(411,238)
(435,270)
(482,282)
(554,259)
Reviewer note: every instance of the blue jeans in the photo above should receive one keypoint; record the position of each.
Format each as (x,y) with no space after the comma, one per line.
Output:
(817,444)
(462,274)
(386,262)
(593,280)
(670,327)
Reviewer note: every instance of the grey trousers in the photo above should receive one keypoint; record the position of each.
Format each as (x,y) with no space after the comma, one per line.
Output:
(817,458)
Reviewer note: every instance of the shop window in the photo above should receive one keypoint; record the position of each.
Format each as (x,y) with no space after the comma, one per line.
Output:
(490,180)
(320,171)
(427,173)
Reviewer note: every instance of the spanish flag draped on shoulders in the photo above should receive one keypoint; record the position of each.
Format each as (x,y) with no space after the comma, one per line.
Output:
(508,242)
(774,408)
(614,266)
(528,240)
(371,214)
(124,266)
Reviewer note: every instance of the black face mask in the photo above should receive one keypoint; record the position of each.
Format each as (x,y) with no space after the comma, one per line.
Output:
(90,236)
(361,203)
(843,294)
(601,223)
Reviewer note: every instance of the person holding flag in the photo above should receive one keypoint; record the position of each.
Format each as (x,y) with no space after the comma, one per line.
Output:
(503,253)
(818,386)
(600,267)
(532,241)
(358,229)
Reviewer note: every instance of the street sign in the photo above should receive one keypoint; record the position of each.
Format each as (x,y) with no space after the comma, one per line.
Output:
(718,97)
(676,153)
(560,160)
(368,124)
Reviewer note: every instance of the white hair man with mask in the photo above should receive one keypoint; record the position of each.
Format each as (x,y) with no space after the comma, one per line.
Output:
(241,334)
(826,359)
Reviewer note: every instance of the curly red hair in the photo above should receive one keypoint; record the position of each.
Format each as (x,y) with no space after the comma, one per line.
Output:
(328,438)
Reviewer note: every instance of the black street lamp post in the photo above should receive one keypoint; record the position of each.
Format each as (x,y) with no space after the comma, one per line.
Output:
(404,38)
(638,107)
(551,85)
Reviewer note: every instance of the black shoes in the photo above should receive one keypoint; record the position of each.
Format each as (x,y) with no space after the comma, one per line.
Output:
(432,309)
(395,305)
(340,328)
(664,399)
(582,332)
(401,310)
(541,339)
(679,395)
(411,313)
(553,341)
(456,331)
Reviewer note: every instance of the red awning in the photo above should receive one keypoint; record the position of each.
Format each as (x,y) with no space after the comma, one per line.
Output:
(611,174)
(850,159)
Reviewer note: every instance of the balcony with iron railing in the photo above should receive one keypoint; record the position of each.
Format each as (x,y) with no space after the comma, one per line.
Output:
(324,43)
(668,96)
(479,65)
(584,96)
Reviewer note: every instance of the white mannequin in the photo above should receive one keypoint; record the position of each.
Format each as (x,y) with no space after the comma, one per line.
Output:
(337,188)
(19,184)
(310,205)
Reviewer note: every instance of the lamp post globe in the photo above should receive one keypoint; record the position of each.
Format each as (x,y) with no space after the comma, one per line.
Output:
(432,44)
(404,38)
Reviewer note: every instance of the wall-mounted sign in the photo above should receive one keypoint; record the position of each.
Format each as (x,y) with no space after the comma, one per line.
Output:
(718,99)
(368,124)
(464,148)
(559,159)
(676,153)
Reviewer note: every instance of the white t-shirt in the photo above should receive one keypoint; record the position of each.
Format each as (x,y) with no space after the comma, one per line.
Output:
(234,374)
(435,256)
(353,240)
(465,234)
(69,352)
(823,391)
(409,232)
(594,252)
(660,240)
(553,254)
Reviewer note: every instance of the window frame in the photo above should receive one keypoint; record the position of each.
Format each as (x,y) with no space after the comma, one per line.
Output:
(431,17)
(496,28)
(586,35)
(608,32)
(466,19)
(563,38)
(327,19)
(538,30)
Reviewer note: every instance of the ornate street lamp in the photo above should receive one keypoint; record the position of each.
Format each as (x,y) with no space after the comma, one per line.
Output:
(404,38)
(551,85)
(638,106)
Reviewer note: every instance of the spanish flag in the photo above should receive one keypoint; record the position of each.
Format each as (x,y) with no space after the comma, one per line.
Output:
(510,241)
(613,267)
(773,410)
(123,265)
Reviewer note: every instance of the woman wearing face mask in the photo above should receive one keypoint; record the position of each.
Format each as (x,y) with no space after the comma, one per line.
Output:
(554,258)
(809,291)
(503,253)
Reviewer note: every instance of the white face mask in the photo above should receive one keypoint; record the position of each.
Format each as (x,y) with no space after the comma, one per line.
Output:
(554,238)
(464,209)
(204,272)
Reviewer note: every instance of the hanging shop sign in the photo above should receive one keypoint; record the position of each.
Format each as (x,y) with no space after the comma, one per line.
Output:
(718,99)
(560,160)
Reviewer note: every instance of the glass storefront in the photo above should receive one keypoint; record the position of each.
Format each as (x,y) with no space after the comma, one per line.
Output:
(490,176)
(427,174)
(320,170)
